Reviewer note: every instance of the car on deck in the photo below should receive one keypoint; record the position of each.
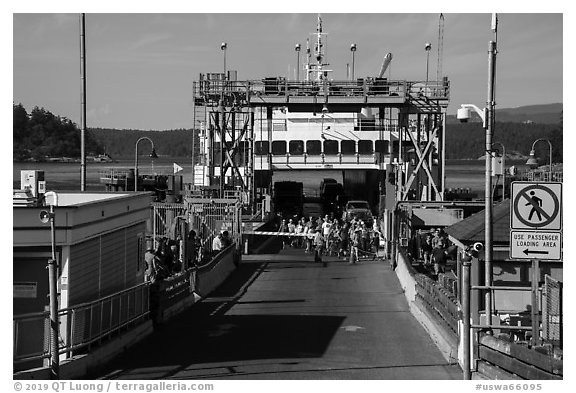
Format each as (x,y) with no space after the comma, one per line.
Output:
(360,209)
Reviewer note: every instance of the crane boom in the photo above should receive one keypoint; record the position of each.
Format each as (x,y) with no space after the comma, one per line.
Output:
(385,64)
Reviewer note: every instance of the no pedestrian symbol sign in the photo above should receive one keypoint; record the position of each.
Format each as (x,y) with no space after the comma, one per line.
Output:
(536,206)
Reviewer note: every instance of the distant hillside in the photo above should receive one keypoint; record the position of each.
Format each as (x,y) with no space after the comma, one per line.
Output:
(539,114)
(467,140)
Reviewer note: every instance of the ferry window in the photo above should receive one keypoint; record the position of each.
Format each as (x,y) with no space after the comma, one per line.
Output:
(296,147)
(261,148)
(382,146)
(242,154)
(330,147)
(279,148)
(365,147)
(217,153)
(348,147)
(395,147)
(313,147)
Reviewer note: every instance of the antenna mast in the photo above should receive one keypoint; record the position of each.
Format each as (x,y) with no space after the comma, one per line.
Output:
(440,48)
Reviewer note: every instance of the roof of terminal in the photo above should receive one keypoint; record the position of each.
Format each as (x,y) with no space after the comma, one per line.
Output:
(471,229)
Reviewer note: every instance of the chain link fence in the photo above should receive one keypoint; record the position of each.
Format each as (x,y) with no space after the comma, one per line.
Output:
(552,319)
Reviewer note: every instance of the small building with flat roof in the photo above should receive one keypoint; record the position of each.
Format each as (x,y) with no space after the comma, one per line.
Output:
(99,243)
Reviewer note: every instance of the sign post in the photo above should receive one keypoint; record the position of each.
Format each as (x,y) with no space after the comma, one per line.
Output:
(536,232)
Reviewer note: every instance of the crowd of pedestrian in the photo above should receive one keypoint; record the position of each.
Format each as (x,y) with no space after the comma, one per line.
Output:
(434,250)
(167,258)
(163,261)
(329,236)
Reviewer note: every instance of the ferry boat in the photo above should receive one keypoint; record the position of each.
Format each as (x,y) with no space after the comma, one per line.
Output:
(364,133)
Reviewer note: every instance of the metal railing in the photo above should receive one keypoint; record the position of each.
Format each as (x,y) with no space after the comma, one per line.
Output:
(540,175)
(81,326)
(284,87)
(164,219)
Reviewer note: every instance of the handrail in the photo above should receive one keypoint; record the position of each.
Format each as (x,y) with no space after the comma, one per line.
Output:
(83,328)
(103,299)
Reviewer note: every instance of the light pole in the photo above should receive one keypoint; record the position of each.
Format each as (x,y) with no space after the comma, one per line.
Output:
(353,50)
(82,102)
(152,155)
(53,288)
(427,47)
(224,46)
(533,161)
(503,167)
(297,49)
(487,116)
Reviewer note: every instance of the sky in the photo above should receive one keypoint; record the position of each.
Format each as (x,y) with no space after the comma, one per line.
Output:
(140,66)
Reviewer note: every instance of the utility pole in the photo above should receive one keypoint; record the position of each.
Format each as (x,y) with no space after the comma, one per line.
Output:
(82,102)
(488,186)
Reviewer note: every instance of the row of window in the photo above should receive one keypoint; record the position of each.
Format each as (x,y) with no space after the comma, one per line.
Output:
(328,147)
(311,148)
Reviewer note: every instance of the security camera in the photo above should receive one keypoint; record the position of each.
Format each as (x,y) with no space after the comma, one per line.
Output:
(478,246)
(463,114)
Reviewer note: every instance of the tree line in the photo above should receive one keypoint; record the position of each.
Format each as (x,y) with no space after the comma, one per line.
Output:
(42,134)
(468,140)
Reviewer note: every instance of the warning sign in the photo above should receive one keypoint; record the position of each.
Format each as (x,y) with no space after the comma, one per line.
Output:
(536,245)
(536,206)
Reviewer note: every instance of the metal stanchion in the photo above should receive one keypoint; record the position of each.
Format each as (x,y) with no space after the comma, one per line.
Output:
(467,375)
(535,314)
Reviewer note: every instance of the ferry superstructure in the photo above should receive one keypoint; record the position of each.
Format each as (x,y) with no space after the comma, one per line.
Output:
(372,129)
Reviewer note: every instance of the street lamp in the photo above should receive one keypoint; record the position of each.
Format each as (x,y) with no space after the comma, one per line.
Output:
(533,161)
(487,116)
(53,286)
(427,47)
(224,46)
(353,50)
(152,155)
(297,49)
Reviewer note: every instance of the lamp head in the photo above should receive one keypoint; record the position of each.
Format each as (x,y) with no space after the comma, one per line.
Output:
(353,47)
(325,109)
(297,48)
(428,46)
(463,114)
(153,153)
(532,161)
(223,46)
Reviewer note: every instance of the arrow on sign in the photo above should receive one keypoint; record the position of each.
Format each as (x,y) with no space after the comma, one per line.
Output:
(527,251)
(351,328)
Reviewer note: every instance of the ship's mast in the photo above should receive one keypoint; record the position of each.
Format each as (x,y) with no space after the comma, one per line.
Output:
(319,53)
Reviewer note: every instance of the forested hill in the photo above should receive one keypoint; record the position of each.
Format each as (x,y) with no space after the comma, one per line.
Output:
(467,140)
(122,143)
(463,140)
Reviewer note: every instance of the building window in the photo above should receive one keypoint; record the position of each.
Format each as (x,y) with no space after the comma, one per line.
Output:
(313,148)
(279,148)
(348,147)
(331,147)
(382,146)
(261,148)
(141,247)
(296,148)
(365,147)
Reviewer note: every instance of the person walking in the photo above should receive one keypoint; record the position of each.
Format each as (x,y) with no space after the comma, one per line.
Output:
(354,244)
(318,246)
(426,248)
